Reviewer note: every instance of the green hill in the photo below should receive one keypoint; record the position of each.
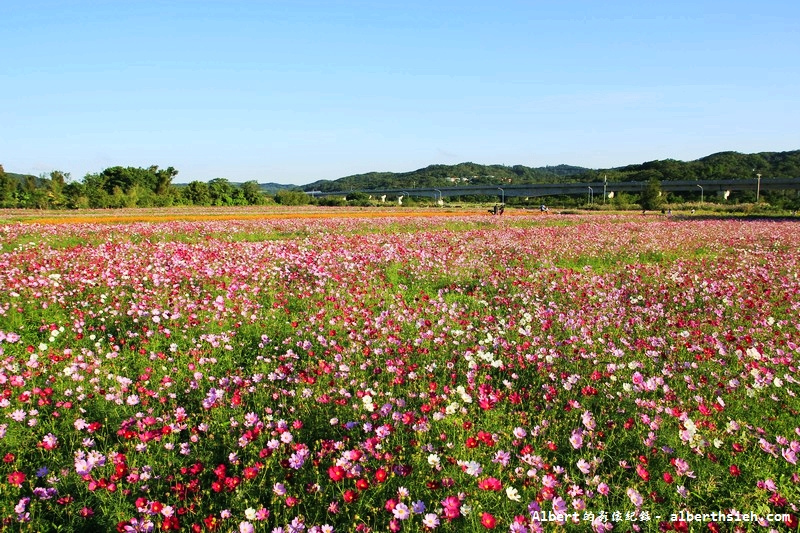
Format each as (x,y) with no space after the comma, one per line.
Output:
(722,165)
(445,175)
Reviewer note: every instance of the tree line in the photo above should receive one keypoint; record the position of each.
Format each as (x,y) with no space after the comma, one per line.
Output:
(118,187)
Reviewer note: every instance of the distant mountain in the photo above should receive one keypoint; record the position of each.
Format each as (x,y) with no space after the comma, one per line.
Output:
(270,188)
(448,175)
(22,178)
(722,165)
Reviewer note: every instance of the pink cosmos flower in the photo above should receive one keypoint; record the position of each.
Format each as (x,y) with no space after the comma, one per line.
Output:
(576,439)
(790,455)
(635,497)
(452,507)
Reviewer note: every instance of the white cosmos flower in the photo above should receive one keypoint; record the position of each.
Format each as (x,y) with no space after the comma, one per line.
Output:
(513,494)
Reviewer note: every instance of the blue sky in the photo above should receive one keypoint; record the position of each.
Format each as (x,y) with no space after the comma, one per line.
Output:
(299,90)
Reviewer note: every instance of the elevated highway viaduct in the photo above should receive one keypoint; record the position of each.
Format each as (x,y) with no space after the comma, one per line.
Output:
(597,188)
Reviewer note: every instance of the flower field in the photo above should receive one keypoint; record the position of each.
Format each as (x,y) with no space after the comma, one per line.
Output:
(460,373)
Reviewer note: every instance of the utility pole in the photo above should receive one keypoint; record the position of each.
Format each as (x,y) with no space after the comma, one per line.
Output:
(758,187)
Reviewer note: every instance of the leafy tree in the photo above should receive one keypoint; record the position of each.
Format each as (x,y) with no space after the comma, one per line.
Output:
(198,193)
(55,188)
(75,195)
(221,191)
(163,182)
(252,193)
(148,186)
(332,201)
(292,198)
(358,198)
(8,189)
(652,198)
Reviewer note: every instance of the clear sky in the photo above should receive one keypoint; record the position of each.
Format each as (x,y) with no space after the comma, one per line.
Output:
(293,91)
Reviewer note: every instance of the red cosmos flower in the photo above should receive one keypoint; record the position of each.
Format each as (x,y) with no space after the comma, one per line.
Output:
(734,470)
(211,522)
(667,477)
(231,483)
(488,521)
(777,500)
(486,438)
(350,496)
(490,483)
(16,478)
(471,442)
(791,521)
(336,473)
(362,484)
(250,472)
(381,475)
(120,471)
(642,472)
(681,526)
(171,523)
(9,458)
